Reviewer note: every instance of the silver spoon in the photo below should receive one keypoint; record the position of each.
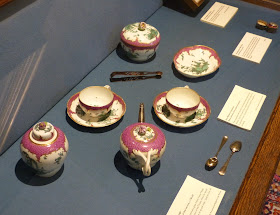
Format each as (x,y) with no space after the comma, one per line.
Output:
(213,161)
(234,147)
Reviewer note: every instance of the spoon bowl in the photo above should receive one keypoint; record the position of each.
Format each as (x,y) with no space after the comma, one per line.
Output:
(212,162)
(236,146)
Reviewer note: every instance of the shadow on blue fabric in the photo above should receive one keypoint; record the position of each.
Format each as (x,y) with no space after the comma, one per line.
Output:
(28,176)
(136,175)
(121,53)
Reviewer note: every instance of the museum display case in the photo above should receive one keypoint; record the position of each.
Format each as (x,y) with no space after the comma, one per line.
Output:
(193,62)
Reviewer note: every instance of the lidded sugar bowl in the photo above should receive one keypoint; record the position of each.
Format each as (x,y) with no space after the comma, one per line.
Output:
(140,41)
(44,148)
(142,144)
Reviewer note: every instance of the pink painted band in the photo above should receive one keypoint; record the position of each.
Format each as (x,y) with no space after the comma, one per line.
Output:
(132,143)
(40,150)
(137,44)
(181,109)
(98,107)
(133,48)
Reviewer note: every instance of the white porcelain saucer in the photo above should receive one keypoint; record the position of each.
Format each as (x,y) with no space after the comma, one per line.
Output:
(202,114)
(196,61)
(78,115)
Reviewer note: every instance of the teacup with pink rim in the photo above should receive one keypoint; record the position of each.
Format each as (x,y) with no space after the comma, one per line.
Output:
(182,102)
(96,101)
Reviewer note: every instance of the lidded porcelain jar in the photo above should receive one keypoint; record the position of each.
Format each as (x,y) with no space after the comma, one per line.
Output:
(44,148)
(142,144)
(140,41)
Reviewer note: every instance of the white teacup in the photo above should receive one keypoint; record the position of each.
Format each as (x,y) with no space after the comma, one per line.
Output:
(96,101)
(182,102)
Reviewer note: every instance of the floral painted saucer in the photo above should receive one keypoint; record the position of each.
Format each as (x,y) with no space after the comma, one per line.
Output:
(75,112)
(202,114)
(196,61)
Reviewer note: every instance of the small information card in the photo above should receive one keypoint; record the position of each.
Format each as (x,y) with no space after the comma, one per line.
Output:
(242,107)
(196,198)
(252,47)
(219,14)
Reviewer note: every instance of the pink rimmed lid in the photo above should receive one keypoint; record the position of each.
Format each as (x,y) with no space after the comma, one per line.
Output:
(143,136)
(43,139)
(141,35)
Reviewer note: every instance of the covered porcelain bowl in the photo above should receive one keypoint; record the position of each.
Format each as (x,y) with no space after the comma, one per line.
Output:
(44,148)
(140,41)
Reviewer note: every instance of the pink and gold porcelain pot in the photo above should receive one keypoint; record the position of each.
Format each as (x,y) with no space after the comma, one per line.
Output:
(140,41)
(142,144)
(44,148)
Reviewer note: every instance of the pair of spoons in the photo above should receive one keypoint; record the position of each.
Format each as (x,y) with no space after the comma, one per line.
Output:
(212,162)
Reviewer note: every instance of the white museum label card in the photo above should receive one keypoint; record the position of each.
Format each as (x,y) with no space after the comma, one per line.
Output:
(242,107)
(252,47)
(219,14)
(196,198)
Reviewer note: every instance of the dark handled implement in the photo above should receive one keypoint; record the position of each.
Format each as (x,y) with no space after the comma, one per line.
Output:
(133,76)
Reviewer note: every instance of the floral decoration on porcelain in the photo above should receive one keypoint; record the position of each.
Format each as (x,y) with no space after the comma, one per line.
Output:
(76,113)
(202,114)
(196,61)
(143,133)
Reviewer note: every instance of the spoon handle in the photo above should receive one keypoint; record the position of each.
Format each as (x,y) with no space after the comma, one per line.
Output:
(224,167)
(224,140)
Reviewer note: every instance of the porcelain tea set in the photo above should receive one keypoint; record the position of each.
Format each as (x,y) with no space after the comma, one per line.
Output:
(45,147)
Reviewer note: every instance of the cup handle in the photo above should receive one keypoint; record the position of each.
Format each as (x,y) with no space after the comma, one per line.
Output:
(108,87)
(146,169)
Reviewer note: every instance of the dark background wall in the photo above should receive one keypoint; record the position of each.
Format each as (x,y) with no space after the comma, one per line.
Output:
(47,47)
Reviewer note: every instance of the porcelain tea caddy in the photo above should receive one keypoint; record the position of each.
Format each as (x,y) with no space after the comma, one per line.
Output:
(140,41)
(142,144)
(44,148)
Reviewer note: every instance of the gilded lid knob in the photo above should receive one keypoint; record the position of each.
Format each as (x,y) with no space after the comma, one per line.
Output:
(43,131)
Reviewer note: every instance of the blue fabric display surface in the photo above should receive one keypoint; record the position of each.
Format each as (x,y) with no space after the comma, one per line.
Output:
(95,178)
